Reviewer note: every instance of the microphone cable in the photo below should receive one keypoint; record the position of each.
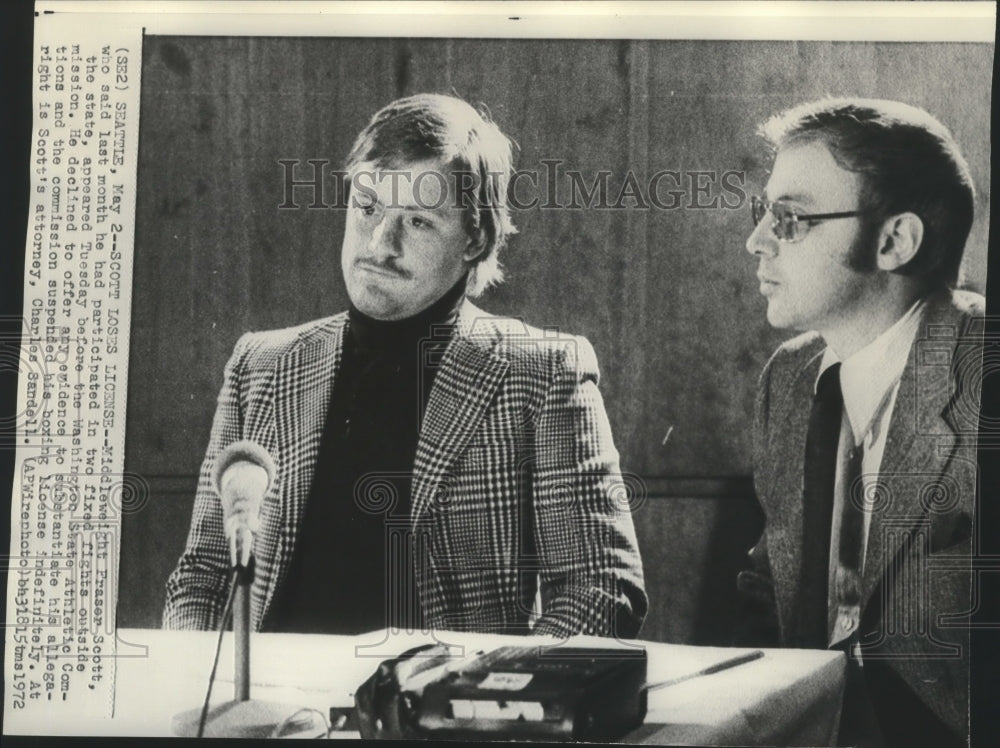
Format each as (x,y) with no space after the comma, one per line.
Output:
(218,648)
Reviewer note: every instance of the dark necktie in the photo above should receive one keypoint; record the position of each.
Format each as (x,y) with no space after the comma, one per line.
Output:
(820,474)
(847,590)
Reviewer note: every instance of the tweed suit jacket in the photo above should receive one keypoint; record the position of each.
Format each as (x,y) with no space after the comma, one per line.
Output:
(916,580)
(516,487)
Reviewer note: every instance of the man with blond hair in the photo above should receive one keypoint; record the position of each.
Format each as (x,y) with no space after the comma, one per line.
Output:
(435,466)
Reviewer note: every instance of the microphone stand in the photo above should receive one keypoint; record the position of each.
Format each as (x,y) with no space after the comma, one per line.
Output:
(242,717)
(241,632)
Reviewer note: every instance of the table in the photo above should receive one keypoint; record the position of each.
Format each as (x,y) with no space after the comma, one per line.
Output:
(787,697)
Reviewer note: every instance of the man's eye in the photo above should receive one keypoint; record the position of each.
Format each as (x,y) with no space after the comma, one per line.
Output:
(419,223)
(368,210)
(789,219)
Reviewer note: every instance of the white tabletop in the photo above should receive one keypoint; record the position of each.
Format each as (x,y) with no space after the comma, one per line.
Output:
(788,697)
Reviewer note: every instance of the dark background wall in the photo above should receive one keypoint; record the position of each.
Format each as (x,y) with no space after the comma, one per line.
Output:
(667,297)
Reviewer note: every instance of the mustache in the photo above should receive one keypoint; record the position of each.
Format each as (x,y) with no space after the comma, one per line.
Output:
(387,266)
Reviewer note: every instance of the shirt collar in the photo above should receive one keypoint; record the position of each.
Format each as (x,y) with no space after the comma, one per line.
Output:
(869,375)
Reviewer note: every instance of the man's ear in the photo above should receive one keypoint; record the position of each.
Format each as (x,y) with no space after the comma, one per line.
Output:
(899,241)
(475,247)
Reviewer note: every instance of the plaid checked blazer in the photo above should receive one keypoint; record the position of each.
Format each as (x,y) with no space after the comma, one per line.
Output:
(516,488)
(917,584)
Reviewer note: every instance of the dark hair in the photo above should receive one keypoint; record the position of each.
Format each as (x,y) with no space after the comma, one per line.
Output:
(908,162)
(425,126)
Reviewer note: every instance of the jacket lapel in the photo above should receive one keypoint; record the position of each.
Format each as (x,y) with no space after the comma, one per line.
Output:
(919,444)
(787,436)
(303,383)
(464,387)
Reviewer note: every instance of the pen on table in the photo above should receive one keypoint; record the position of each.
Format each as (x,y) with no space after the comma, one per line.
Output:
(711,670)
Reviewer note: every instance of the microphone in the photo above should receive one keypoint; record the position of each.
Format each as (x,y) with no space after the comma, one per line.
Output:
(242,475)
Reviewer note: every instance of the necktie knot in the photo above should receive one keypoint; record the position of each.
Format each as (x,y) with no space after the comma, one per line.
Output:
(828,386)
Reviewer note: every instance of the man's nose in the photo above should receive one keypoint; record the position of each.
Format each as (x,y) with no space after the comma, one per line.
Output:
(762,240)
(385,237)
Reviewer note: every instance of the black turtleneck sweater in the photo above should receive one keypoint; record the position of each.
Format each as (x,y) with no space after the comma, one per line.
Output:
(352,570)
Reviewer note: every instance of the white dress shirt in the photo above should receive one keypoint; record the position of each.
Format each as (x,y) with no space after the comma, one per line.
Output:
(869,381)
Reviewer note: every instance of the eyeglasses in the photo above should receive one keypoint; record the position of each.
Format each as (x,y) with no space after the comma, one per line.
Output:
(789,225)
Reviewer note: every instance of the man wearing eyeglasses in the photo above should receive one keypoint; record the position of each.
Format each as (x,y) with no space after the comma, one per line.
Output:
(865,434)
